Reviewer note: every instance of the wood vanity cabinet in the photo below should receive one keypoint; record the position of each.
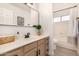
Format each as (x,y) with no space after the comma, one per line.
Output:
(30,49)
(32,53)
(37,48)
(43,47)
(41,50)
(46,46)
(16,52)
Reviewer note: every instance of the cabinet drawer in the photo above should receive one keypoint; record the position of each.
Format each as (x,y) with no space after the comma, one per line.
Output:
(17,52)
(30,47)
(42,41)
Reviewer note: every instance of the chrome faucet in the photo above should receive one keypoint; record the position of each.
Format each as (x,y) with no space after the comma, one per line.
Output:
(27,35)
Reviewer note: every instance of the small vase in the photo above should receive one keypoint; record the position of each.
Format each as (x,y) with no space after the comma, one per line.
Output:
(39,32)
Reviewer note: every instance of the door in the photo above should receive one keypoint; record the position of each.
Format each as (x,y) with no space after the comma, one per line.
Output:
(17,52)
(41,50)
(46,46)
(32,52)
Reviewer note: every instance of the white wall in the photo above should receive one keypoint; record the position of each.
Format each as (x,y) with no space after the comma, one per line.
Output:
(45,10)
(10,30)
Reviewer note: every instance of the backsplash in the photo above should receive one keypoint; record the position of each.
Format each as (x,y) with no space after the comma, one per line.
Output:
(12,30)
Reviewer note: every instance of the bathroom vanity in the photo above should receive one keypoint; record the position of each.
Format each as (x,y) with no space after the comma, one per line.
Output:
(37,46)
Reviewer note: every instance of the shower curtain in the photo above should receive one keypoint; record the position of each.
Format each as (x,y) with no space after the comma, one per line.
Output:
(72,27)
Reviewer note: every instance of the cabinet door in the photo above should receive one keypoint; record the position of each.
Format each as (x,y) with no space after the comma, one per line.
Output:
(32,52)
(46,47)
(30,47)
(41,50)
(17,52)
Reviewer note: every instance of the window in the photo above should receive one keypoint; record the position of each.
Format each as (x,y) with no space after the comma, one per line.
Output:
(57,19)
(65,18)
(61,18)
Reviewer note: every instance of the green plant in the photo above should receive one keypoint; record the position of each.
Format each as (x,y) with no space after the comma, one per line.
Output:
(38,27)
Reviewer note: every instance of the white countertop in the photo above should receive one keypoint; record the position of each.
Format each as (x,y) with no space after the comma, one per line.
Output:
(18,43)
